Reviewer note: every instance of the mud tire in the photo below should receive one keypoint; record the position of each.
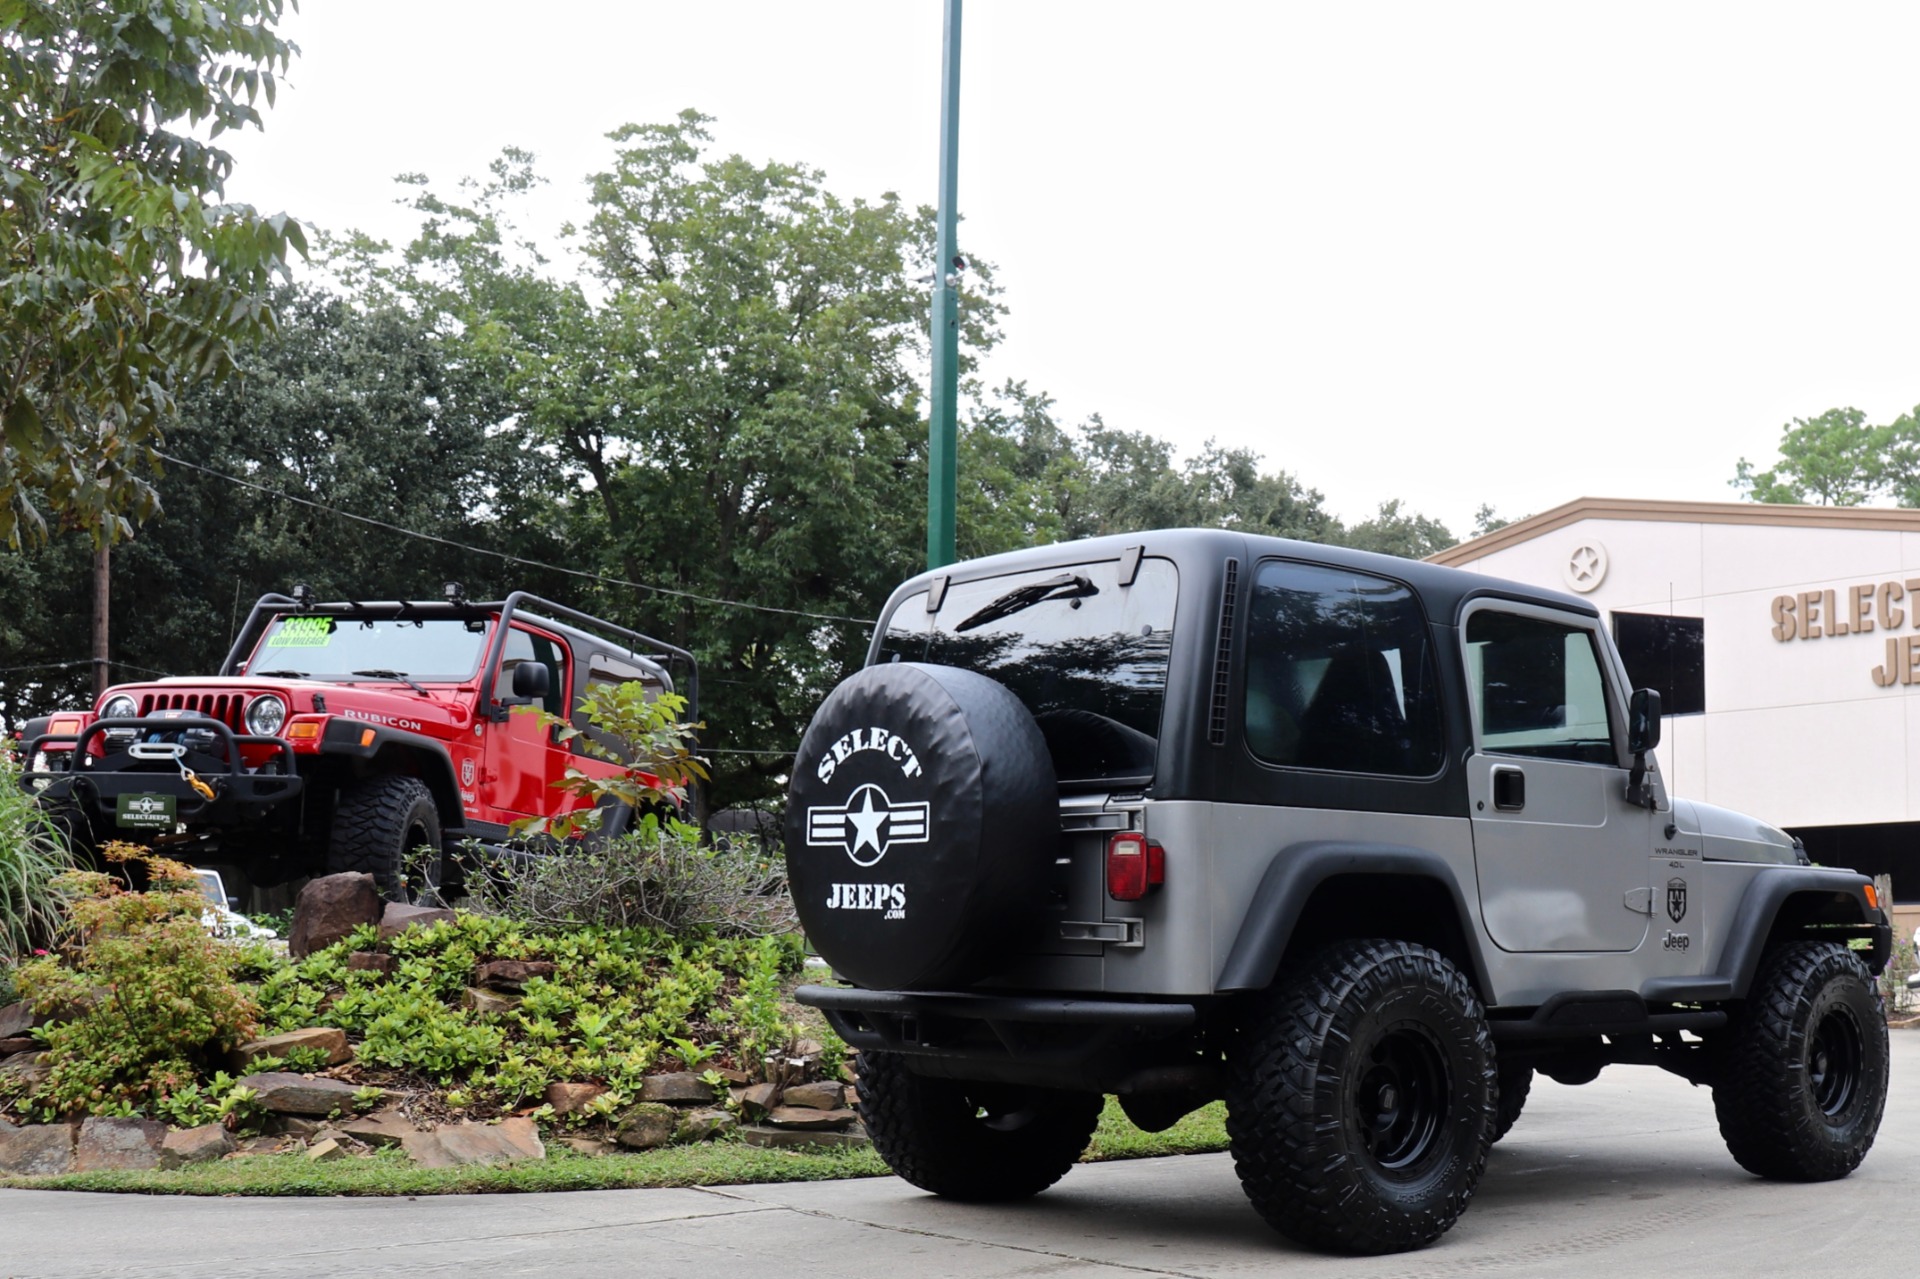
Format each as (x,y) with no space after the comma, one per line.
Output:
(377,823)
(1515,1083)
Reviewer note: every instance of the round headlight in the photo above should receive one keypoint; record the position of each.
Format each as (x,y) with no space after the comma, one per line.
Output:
(119,706)
(265,715)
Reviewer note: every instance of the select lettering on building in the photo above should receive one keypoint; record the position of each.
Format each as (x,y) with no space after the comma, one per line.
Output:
(1860,610)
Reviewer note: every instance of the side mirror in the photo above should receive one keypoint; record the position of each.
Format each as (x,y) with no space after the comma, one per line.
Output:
(533,680)
(1643,721)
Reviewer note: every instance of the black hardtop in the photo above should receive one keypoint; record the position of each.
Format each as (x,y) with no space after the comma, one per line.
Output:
(1442,590)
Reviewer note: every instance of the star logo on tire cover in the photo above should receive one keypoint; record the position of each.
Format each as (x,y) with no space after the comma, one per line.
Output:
(867,825)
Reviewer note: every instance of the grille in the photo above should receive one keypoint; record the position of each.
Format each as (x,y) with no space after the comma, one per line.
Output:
(225,707)
(1223,655)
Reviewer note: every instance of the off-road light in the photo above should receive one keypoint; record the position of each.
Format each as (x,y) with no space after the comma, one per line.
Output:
(119,706)
(265,714)
(1135,864)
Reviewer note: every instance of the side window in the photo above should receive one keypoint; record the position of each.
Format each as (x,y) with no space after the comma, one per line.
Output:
(605,671)
(525,646)
(1340,673)
(1668,654)
(1538,689)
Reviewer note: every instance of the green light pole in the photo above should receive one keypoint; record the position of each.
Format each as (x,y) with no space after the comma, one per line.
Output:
(943,445)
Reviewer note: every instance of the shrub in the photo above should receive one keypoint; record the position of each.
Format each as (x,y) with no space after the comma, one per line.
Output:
(147,1001)
(32,856)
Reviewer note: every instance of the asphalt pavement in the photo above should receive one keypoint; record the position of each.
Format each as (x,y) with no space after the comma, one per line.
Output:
(1626,1176)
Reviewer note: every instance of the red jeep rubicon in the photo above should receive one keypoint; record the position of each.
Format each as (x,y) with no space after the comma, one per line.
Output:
(344,736)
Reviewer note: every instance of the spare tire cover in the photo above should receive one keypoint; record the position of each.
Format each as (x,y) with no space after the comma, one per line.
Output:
(922,821)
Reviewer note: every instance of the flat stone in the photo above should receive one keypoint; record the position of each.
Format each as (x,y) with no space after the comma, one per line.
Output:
(803,1117)
(326,1151)
(331,907)
(382,1128)
(371,961)
(16,1020)
(682,1085)
(38,1150)
(324,1039)
(799,1139)
(487,1002)
(396,919)
(259,1146)
(594,1147)
(7,1125)
(291,1126)
(118,1145)
(567,1099)
(818,1096)
(196,1146)
(511,975)
(704,1125)
(759,1098)
(459,1144)
(289,1094)
(646,1125)
(18,1044)
(737,1078)
(28,1070)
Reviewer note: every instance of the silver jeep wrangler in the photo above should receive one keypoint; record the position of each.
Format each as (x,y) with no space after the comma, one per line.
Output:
(1355,843)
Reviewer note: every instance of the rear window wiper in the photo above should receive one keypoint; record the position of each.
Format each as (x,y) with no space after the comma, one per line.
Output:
(1067,586)
(399,675)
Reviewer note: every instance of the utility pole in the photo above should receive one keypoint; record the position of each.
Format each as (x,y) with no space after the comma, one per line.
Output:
(943,444)
(102,579)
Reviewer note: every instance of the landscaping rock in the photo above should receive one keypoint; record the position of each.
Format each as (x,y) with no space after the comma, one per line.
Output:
(795,1138)
(326,1151)
(759,1098)
(371,961)
(511,975)
(317,1038)
(38,1150)
(382,1128)
(820,1096)
(7,1125)
(288,1094)
(15,1021)
(485,1001)
(20,1044)
(735,1078)
(646,1125)
(196,1146)
(258,1146)
(704,1125)
(118,1145)
(682,1085)
(396,919)
(471,1143)
(590,1146)
(803,1117)
(27,1070)
(291,1126)
(331,907)
(567,1099)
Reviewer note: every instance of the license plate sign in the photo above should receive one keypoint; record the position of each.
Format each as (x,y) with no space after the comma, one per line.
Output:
(145,812)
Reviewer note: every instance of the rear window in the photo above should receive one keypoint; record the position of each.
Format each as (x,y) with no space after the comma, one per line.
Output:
(1087,656)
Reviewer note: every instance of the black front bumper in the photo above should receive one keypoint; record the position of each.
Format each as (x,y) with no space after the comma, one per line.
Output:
(267,795)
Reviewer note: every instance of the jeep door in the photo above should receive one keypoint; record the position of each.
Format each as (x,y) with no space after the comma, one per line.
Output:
(522,761)
(1558,849)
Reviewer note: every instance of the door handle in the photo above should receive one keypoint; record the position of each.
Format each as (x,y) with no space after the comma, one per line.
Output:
(1509,790)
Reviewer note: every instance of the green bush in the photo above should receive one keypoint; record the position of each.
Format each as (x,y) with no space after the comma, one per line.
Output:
(32,856)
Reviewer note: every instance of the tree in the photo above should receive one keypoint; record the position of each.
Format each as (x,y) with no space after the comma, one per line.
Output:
(126,277)
(1839,459)
(1392,532)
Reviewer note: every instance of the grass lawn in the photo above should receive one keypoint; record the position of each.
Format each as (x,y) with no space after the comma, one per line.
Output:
(720,1163)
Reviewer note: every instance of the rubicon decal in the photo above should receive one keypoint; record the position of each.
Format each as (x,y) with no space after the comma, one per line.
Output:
(374,717)
(892,745)
(867,825)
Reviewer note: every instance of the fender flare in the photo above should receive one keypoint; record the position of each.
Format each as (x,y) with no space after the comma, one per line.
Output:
(1289,882)
(349,739)
(1752,925)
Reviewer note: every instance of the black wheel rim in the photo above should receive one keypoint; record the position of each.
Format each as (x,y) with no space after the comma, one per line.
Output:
(1400,1099)
(1835,1057)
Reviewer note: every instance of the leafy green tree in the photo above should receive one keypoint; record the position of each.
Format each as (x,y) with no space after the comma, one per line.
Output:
(1839,459)
(126,278)
(1396,532)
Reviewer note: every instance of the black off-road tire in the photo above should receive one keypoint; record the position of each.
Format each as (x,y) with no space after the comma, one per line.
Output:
(1516,1081)
(983,1143)
(378,822)
(1360,1098)
(1805,1078)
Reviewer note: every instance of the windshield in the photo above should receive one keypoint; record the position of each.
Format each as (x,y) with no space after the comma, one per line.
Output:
(328,647)
(1086,655)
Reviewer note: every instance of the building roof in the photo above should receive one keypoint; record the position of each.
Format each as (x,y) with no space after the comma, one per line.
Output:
(1644,511)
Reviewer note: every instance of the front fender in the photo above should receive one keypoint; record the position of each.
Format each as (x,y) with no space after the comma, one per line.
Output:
(369,747)
(1815,894)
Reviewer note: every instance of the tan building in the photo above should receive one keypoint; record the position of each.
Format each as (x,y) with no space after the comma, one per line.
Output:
(1785,642)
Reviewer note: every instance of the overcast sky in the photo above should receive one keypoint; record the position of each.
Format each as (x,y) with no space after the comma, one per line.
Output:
(1506,253)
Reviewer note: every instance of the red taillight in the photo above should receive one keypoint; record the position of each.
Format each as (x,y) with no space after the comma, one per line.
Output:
(1135,864)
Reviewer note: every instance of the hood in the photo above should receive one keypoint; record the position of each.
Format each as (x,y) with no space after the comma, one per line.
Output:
(1727,836)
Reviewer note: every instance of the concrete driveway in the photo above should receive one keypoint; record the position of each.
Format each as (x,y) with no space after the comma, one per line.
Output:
(1624,1177)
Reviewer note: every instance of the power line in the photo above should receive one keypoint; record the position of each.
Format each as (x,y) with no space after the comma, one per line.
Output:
(510,558)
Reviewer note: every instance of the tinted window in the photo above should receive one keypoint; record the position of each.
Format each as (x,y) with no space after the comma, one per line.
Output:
(1668,654)
(1340,673)
(1086,655)
(1537,687)
(525,646)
